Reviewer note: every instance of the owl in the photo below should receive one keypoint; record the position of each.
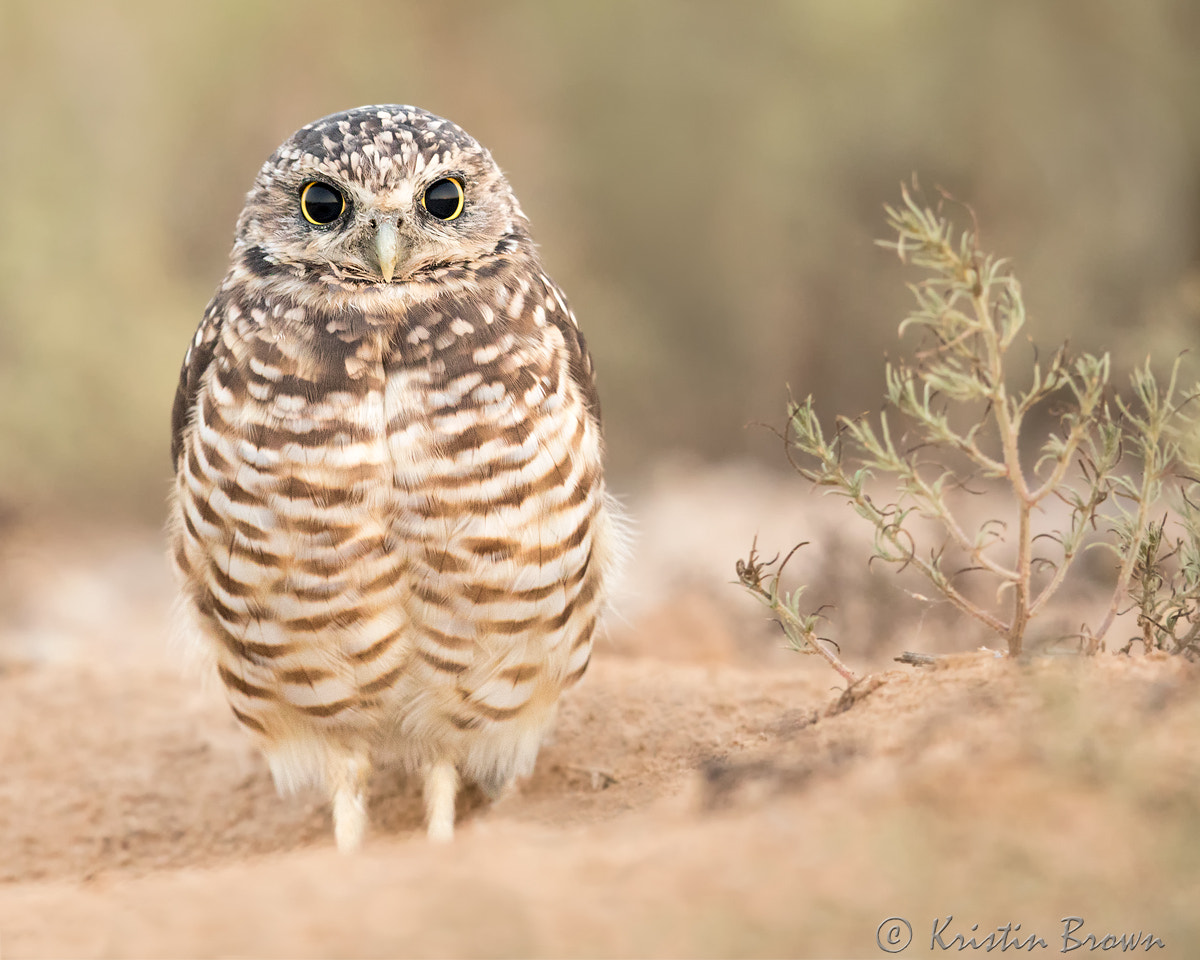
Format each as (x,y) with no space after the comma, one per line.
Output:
(389,518)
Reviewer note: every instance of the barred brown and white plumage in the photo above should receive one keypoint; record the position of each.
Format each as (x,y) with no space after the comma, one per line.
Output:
(389,515)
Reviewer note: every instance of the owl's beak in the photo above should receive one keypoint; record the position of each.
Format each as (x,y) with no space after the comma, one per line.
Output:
(387,247)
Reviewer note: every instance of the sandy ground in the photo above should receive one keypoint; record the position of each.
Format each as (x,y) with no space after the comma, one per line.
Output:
(706,794)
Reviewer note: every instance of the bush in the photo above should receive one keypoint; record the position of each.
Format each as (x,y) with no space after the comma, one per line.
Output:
(1127,467)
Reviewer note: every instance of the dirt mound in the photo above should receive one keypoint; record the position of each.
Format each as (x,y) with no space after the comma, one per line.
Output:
(704,795)
(695,810)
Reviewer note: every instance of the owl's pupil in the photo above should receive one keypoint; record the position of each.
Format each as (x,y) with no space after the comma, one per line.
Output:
(320,203)
(444,199)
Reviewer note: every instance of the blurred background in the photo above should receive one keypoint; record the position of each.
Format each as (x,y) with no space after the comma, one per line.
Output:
(705,180)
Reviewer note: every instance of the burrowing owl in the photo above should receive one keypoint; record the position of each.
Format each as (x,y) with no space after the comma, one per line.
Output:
(389,515)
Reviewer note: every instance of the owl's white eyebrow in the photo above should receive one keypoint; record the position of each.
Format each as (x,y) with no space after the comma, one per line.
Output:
(398,199)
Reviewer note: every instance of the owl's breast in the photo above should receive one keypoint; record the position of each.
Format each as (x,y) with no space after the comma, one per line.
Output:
(498,497)
(409,524)
(281,532)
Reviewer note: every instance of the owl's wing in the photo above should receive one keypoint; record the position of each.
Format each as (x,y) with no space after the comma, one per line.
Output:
(197,359)
(579,359)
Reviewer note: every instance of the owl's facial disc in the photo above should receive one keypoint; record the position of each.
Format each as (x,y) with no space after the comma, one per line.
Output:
(381,195)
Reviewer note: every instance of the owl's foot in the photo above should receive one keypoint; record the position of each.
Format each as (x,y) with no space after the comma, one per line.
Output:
(348,777)
(441,785)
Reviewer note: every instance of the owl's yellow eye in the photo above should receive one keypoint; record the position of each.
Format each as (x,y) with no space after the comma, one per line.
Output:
(444,198)
(320,203)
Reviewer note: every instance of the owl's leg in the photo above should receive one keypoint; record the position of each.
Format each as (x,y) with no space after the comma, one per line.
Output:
(347,778)
(441,785)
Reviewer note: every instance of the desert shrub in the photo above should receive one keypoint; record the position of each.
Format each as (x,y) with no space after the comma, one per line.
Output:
(956,420)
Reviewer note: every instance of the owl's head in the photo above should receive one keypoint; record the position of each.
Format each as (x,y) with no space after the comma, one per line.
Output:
(376,195)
